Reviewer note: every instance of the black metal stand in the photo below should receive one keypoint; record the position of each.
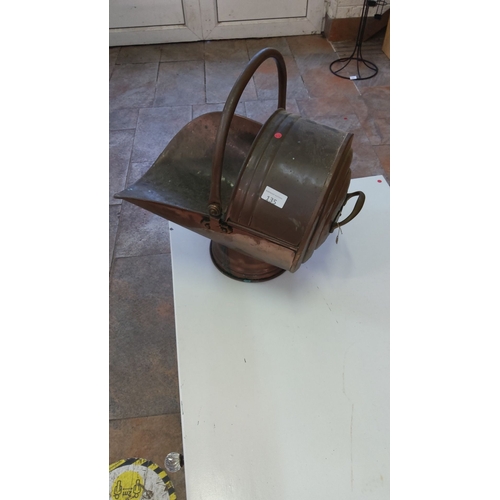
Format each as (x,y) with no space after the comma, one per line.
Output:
(356,55)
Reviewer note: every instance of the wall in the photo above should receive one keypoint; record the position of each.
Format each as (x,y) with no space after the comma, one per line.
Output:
(342,9)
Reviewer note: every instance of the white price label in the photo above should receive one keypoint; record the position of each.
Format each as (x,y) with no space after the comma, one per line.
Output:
(274,197)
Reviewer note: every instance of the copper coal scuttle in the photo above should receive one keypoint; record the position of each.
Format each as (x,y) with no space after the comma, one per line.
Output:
(265,195)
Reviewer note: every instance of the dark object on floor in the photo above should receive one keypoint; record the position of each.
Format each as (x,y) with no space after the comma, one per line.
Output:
(266,195)
(356,58)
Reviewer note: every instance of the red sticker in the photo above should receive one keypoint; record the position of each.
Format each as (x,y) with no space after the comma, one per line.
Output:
(278,135)
(379,180)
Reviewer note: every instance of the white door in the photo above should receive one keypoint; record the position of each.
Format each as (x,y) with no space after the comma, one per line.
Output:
(166,21)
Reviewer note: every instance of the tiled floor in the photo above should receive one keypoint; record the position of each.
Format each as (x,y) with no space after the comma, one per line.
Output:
(154,91)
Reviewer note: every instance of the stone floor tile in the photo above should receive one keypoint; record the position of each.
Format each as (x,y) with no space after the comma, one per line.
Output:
(261,110)
(373,110)
(139,54)
(123,119)
(266,80)
(374,101)
(191,51)
(226,50)
(365,161)
(314,61)
(382,78)
(113,56)
(114,219)
(384,155)
(137,170)
(309,44)
(311,53)
(320,108)
(201,109)
(143,377)
(155,128)
(321,82)
(180,82)
(151,438)
(132,85)
(220,79)
(140,232)
(255,45)
(120,148)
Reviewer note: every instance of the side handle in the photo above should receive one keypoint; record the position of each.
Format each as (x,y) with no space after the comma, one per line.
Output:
(355,211)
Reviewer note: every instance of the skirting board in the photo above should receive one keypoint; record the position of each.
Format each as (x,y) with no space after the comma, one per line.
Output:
(340,30)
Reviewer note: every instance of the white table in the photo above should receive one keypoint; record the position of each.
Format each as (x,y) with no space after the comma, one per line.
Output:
(285,384)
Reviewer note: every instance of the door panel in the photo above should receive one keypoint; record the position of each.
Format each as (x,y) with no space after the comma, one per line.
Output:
(229,10)
(293,17)
(127,13)
(180,21)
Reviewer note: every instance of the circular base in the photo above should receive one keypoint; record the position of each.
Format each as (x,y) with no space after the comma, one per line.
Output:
(348,60)
(241,267)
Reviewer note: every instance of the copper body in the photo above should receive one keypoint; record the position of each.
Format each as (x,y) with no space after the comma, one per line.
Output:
(216,175)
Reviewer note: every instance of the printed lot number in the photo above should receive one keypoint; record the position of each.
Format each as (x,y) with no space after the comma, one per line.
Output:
(274,197)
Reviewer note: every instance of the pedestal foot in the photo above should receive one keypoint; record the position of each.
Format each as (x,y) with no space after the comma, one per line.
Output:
(240,266)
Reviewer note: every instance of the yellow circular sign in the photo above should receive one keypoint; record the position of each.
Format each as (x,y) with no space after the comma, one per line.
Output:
(139,479)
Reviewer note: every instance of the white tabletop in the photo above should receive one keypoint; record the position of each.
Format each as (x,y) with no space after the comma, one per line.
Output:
(284,385)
